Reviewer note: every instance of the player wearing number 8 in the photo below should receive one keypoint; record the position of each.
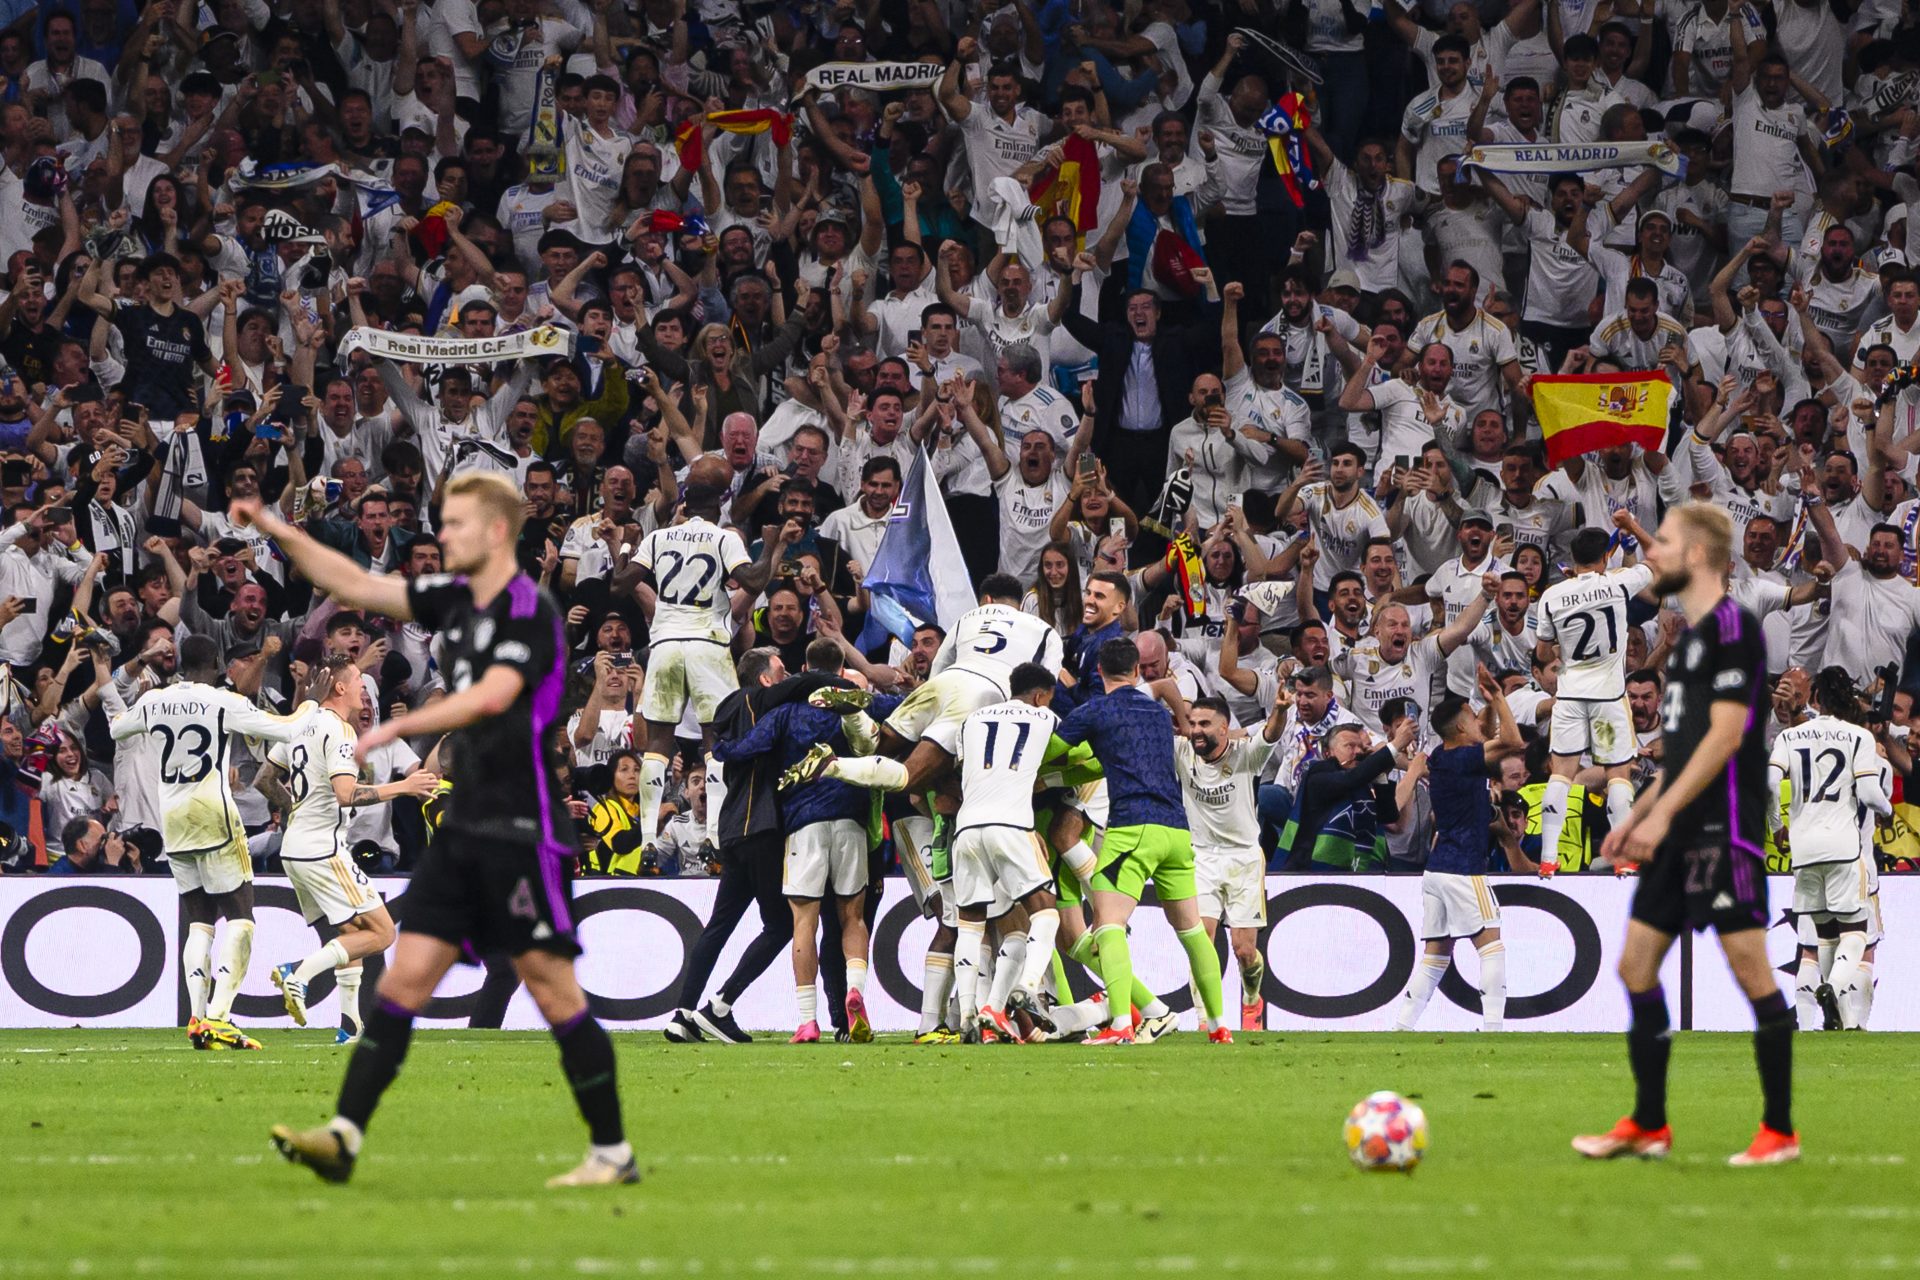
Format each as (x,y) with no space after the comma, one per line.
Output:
(185,730)
(1584,619)
(689,564)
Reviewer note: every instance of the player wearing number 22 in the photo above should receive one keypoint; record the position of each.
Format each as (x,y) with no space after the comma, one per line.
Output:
(1697,829)
(190,726)
(497,878)
(689,564)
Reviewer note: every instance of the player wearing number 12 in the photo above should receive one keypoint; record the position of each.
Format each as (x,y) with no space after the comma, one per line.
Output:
(190,725)
(689,563)
(1585,619)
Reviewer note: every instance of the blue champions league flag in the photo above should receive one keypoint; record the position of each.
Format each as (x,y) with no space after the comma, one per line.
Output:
(917,575)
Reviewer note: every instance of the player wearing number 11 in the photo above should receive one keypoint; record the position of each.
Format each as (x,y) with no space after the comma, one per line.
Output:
(1585,619)
(189,727)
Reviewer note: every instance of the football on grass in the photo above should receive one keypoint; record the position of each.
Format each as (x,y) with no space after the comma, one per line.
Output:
(1385,1131)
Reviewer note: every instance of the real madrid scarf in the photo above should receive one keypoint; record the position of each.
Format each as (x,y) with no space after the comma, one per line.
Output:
(1571,157)
(406,348)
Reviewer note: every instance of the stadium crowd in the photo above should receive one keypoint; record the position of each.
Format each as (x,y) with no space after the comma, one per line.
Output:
(1176,330)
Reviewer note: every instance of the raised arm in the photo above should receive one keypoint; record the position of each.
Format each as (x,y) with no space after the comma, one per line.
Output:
(329,570)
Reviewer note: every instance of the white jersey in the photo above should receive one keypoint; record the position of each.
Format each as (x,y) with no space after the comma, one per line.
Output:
(992,640)
(691,563)
(1001,750)
(191,726)
(1221,794)
(1371,680)
(1824,762)
(321,752)
(1587,617)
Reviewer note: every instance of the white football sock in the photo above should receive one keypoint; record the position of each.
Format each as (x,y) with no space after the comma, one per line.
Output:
(349,1134)
(1806,1007)
(331,956)
(808,999)
(1426,977)
(877,772)
(721,1005)
(1619,802)
(857,975)
(231,954)
(197,967)
(1080,860)
(966,967)
(862,733)
(1847,955)
(1863,994)
(1825,950)
(1083,1015)
(989,966)
(348,979)
(617,1154)
(1043,930)
(716,796)
(1553,816)
(653,785)
(936,984)
(1493,985)
(1154,1008)
(1009,965)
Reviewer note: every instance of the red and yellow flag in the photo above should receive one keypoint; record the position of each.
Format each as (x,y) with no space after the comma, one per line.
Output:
(1071,190)
(1582,412)
(686,139)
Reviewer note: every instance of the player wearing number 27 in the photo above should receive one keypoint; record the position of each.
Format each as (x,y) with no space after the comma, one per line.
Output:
(1585,619)
(191,726)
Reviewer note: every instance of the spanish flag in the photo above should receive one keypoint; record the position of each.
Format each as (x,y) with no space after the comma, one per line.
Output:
(1583,412)
(687,139)
(1071,190)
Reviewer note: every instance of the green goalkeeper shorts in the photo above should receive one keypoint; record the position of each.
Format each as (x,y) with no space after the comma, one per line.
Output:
(1131,856)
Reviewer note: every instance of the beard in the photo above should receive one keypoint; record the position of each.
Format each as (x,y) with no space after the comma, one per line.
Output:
(1672,581)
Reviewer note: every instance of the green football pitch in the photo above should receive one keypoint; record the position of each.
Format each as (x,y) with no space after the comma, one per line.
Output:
(127,1154)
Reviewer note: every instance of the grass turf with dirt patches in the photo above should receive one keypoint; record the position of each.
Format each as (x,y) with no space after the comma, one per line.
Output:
(126,1153)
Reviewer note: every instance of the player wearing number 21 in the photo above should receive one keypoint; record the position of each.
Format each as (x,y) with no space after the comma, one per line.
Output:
(187,728)
(1583,620)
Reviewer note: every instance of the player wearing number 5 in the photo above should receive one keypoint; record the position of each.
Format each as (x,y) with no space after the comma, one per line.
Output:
(1584,618)
(689,564)
(188,727)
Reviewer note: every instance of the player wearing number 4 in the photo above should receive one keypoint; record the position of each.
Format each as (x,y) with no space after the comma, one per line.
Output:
(191,726)
(308,782)
(688,565)
(1583,621)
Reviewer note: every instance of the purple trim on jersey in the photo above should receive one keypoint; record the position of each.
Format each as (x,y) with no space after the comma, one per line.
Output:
(524,597)
(1727,614)
(394,1009)
(563,1029)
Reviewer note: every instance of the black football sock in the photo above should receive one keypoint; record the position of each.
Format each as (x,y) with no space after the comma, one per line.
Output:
(1773,1051)
(1649,1045)
(384,1038)
(586,1055)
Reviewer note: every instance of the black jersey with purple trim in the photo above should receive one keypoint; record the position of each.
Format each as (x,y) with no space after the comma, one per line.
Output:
(1721,658)
(502,767)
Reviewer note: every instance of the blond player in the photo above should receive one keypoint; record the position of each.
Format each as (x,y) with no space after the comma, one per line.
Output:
(689,564)
(1583,621)
(191,724)
(311,782)
(1833,772)
(1220,776)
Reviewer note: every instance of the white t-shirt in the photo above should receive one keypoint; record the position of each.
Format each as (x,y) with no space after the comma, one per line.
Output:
(1871,620)
(1026,513)
(1371,681)
(1221,795)
(1560,280)
(1481,350)
(1766,151)
(1341,532)
(614,732)
(1404,429)
(992,640)
(1031,326)
(192,727)
(1438,127)
(996,147)
(1001,751)
(691,563)
(321,752)
(1587,617)
(1379,269)
(1041,409)
(595,166)
(1823,761)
